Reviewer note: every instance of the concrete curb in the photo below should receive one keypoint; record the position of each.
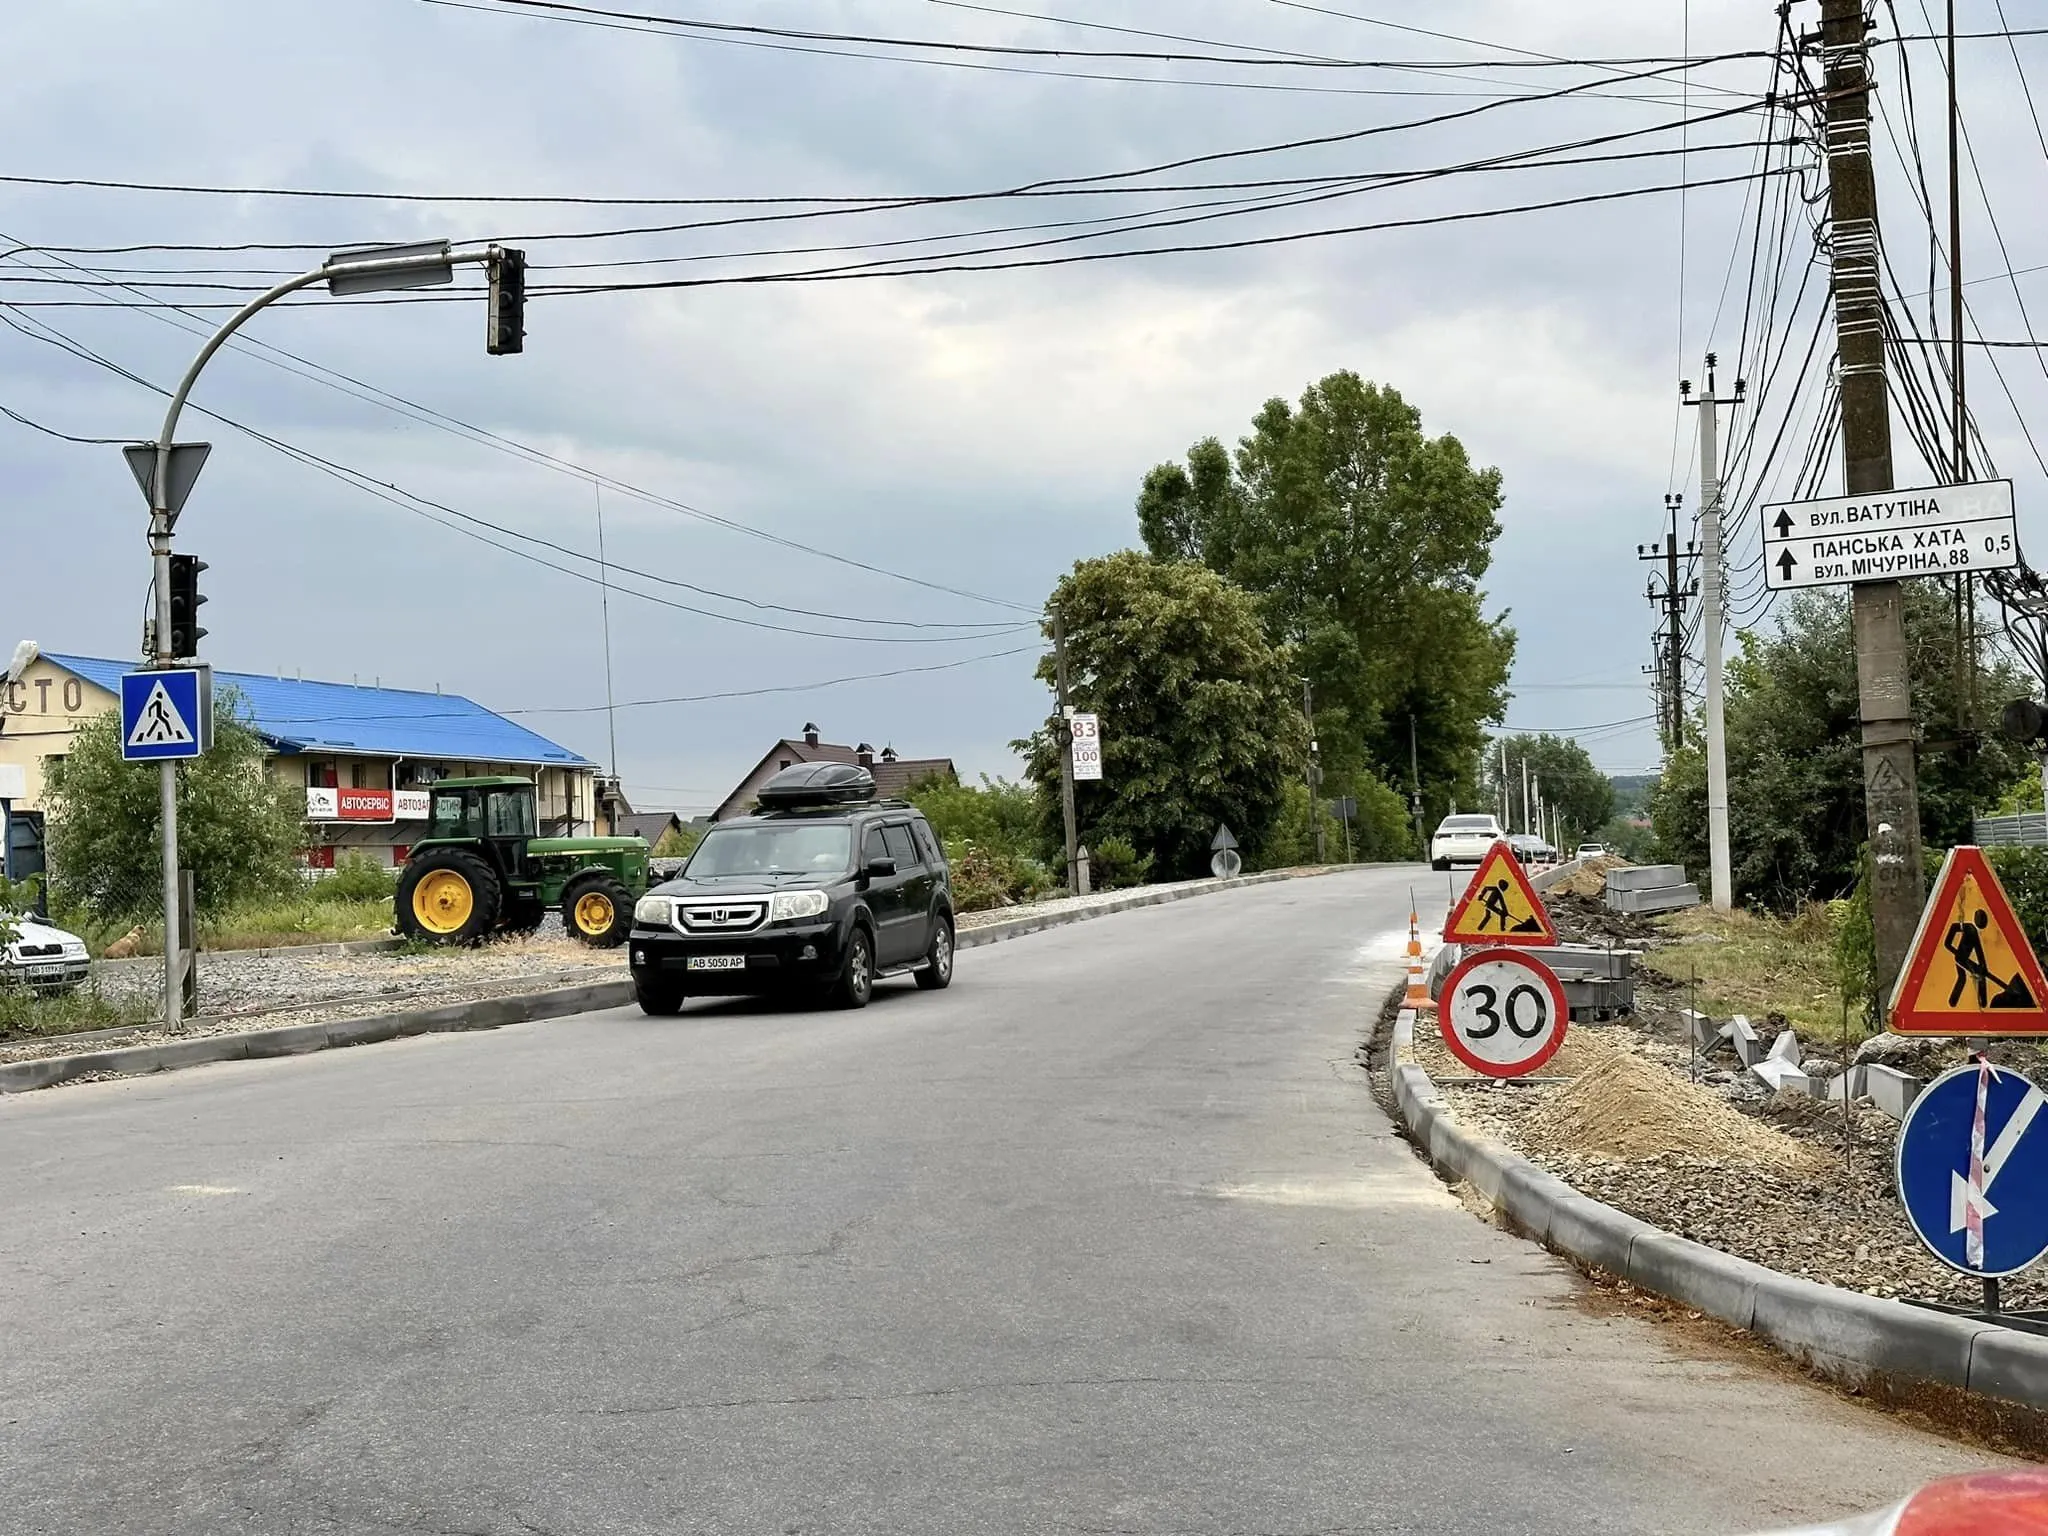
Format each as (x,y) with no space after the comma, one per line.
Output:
(1842,1335)
(518,1008)
(298,1039)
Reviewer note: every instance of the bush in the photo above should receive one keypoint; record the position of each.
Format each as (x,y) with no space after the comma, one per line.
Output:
(358,877)
(678,842)
(999,816)
(1855,946)
(984,878)
(1114,864)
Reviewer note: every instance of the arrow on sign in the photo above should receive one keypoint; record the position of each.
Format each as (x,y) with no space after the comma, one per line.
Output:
(1785,564)
(1784,524)
(1964,1195)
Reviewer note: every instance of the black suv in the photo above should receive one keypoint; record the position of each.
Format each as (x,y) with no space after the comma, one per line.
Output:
(824,888)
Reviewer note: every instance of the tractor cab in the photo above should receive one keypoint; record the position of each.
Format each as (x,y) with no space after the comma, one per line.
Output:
(498,813)
(482,869)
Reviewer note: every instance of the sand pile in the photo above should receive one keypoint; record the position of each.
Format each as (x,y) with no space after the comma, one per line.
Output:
(1628,1108)
(1592,879)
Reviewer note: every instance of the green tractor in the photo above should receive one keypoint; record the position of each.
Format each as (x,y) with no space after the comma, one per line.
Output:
(481,870)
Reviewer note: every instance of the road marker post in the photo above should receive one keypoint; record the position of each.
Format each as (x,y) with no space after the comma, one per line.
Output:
(1418,996)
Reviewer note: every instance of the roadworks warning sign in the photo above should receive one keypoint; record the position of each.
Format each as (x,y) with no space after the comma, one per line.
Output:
(1500,906)
(1972,971)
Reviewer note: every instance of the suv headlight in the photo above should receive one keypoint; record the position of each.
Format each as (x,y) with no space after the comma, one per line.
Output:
(788,906)
(655,912)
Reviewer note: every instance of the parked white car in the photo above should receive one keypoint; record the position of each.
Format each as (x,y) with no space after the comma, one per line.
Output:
(43,956)
(1463,840)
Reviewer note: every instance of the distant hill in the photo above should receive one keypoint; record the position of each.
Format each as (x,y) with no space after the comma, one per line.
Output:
(1630,790)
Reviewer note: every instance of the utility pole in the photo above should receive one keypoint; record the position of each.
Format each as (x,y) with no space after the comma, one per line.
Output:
(1315,770)
(1713,623)
(1525,795)
(1414,781)
(1891,798)
(1064,731)
(1506,796)
(1676,593)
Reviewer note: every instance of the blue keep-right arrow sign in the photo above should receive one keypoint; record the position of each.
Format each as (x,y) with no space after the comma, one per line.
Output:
(1972,1169)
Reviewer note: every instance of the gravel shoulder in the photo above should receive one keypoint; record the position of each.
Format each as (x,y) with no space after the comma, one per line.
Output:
(1627,1115)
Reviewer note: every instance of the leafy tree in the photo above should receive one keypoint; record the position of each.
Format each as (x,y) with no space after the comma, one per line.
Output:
(1200,720)
(1365,541)
(1582,793)
(1005,818)
(1795,769)
(239,830)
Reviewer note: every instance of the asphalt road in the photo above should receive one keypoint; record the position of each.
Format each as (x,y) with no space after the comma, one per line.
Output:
(1109,1238)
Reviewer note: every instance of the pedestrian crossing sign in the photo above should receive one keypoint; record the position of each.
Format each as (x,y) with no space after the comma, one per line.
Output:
(1500,906)
(167,713)
(1972,971)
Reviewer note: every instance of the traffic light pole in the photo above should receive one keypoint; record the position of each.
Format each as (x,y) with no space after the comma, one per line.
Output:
(345,272)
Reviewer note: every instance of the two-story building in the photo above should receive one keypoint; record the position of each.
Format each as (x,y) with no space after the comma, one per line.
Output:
(363,756)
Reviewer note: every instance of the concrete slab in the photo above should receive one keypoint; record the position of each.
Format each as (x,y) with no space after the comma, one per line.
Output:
(1742,1035)
(1890,1089)
(1779,1075)
(1785,1048)
(1659,899)
(1645,877)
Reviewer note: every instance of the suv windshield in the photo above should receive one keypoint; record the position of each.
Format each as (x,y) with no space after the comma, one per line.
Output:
(797,848)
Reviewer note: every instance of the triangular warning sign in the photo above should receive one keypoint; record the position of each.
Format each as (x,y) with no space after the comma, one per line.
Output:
(1972,970)
(1500,906)
(158,723)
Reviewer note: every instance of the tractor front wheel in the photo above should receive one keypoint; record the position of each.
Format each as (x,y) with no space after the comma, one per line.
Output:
(597,909)
(448,896)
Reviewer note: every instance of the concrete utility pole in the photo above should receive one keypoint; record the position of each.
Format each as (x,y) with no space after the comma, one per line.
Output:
(1525,795)
(1315,770)
(1891,798)
(1713,624)
(1065,731)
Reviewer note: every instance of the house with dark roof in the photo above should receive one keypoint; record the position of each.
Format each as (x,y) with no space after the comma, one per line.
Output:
(893,774)
(363,755)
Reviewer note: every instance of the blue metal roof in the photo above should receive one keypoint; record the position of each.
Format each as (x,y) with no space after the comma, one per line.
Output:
(301,717)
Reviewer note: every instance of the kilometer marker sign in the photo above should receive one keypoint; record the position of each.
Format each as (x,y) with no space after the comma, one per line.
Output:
(1939,531)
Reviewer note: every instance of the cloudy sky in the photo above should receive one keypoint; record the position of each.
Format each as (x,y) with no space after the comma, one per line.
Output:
(957,439)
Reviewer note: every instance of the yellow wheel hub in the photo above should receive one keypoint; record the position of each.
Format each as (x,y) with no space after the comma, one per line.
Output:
(443,902)
(593,912)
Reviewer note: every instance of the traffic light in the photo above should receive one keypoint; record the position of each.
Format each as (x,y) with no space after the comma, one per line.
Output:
(185,601)
(506,331)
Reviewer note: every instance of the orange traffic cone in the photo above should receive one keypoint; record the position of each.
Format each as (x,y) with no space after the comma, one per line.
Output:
(1418,989)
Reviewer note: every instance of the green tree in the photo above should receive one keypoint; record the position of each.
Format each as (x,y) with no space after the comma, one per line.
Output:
(1582,793)
(1005,818)
(1795,770)
(1200,722)
(1364,541)
(239,830)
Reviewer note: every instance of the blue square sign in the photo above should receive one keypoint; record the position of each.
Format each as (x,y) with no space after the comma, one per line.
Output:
(167,714)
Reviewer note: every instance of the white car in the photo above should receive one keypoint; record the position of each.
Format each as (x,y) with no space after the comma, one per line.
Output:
(44,957)
(1592,851)
(1463,840)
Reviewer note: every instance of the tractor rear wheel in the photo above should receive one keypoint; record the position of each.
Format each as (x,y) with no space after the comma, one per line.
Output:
(448,896)
(597,909)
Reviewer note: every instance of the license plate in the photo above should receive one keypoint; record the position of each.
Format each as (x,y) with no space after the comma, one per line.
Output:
(46,973)
(715,963)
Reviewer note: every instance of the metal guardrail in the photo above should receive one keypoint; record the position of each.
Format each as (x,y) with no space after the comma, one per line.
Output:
(2028,829)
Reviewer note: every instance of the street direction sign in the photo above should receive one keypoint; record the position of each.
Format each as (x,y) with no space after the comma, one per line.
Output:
(1972,971)
(1500,906)
(166,714)
(1885,535)
(1087,731)
(1958,1139)
(1502,1012)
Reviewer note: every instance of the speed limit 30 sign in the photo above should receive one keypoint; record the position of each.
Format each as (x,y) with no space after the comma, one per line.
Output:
(1503,1012)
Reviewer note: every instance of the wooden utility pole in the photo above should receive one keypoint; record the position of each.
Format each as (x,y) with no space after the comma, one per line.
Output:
(1884,688)
(1063,730)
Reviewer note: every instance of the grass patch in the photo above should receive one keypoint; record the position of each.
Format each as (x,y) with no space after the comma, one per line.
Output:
(26,1016)
(318,917)
(1755,964)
